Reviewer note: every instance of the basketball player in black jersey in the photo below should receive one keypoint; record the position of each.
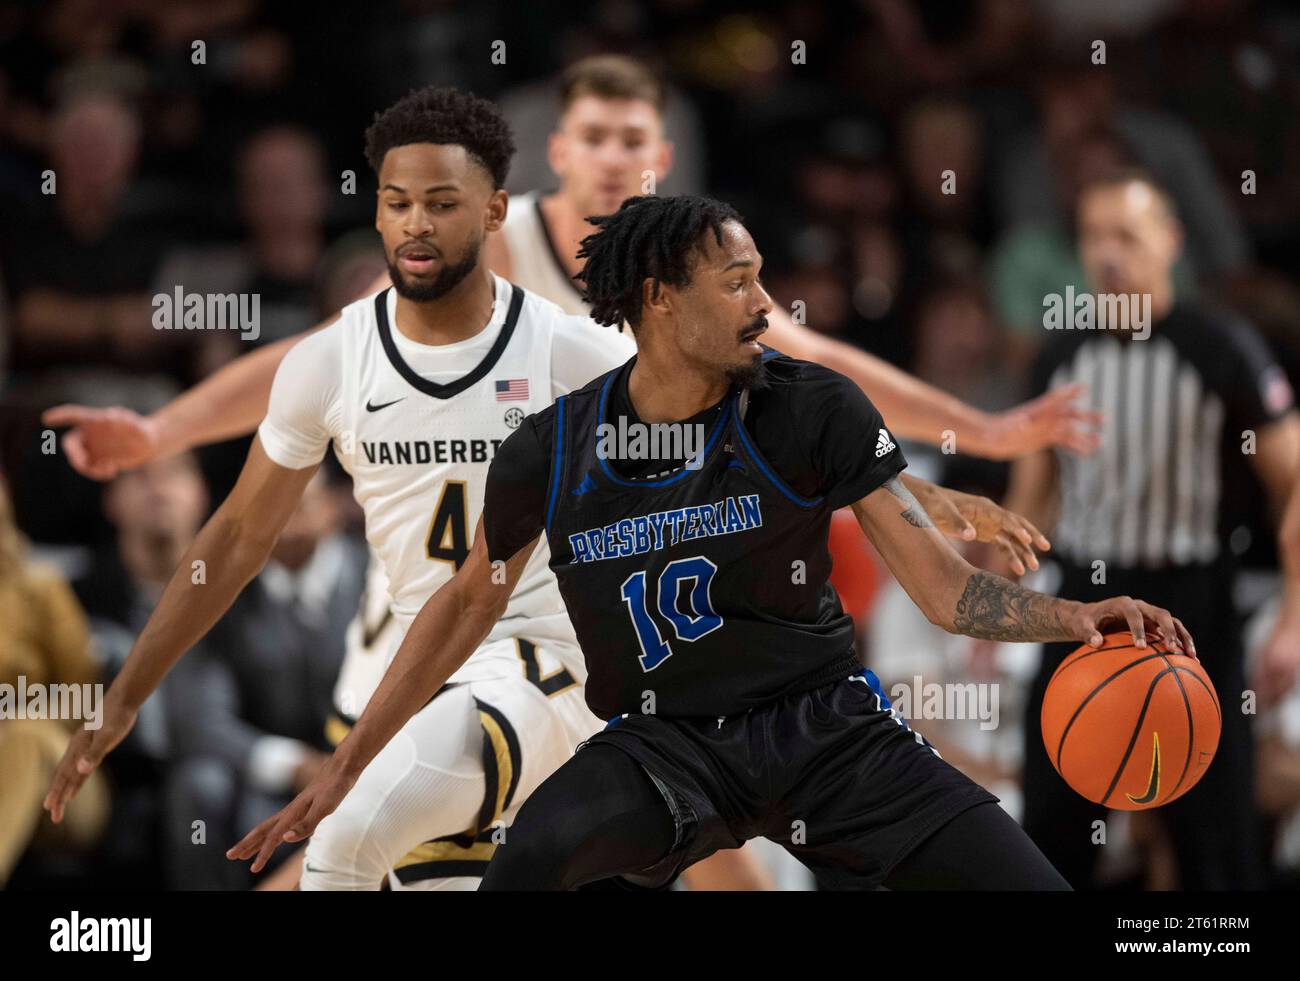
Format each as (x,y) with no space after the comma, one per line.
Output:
(715,644)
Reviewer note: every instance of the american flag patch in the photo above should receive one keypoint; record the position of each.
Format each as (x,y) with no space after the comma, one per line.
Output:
(512,390)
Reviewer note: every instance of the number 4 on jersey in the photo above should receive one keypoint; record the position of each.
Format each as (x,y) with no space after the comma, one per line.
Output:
(448,531)
(688,626)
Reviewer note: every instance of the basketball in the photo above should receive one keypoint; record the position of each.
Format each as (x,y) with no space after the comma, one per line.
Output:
(1131,728)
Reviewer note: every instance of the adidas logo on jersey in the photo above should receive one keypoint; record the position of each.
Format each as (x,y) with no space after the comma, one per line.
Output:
(884,444)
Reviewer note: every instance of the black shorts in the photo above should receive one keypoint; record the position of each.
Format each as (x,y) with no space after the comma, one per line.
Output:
(834,775)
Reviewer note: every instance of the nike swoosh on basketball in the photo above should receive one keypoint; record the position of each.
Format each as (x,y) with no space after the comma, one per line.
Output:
(1153,787)
(376,408)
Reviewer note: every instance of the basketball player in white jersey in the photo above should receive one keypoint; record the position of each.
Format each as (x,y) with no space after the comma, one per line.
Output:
(108,439)
(415,388)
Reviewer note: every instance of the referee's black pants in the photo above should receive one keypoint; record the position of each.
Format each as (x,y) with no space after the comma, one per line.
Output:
(1214,827)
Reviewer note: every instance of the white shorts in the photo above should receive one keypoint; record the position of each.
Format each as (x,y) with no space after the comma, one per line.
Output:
(430,808)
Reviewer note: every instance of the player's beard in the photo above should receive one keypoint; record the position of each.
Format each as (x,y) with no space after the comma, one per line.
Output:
(750,374)
(448,278)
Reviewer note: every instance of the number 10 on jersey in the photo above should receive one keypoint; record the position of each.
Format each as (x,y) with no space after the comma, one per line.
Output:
(689,625)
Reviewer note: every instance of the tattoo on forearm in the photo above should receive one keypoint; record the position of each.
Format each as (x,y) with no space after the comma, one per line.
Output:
(993,608)
(914,514)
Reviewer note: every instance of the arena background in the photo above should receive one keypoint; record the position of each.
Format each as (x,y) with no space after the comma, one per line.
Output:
(828,126)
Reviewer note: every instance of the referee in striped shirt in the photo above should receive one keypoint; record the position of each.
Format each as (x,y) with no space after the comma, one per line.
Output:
(1192,401)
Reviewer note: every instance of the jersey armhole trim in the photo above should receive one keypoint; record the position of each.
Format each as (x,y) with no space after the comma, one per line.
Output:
(465,381)
(769,473)
(557,463)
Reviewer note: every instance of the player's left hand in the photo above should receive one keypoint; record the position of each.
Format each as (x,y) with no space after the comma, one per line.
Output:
(977,519)
(1054,419)
(84,754)
(298,820)
(1278,663)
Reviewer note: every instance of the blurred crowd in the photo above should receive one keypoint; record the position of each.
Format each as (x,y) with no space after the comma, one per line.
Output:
(908,168)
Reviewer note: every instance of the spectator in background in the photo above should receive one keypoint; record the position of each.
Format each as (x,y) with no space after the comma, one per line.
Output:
(1077,99)
(941,143)
(1037,257)
(945,221)
(45,642)
(156,512)
(78,260)
(248,712)
(283,199)
(1227,68)
(843,256)
(962,349)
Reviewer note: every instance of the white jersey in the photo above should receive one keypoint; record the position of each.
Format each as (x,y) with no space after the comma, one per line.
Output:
(416,427)
(534,260)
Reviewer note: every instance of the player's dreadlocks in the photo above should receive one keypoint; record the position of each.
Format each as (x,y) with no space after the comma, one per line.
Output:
(647,238)
(448,116)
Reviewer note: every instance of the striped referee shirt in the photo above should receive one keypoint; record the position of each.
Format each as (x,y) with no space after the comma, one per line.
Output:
(1177,408)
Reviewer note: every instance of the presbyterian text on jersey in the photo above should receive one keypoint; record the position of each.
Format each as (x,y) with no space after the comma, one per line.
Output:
(663,529)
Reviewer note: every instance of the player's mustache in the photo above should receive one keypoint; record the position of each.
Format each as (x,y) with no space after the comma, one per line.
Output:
(754,329)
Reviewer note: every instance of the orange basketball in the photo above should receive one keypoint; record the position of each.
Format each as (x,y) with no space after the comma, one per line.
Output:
(1130,728)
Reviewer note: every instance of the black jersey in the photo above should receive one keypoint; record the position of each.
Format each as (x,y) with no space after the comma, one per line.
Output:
(1171,478)
(702,592)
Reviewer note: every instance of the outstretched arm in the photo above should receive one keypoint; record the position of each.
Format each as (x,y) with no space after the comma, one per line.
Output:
(961,599)
(450,626)
(977,519)
(230,403)
(917,410)
(226,554)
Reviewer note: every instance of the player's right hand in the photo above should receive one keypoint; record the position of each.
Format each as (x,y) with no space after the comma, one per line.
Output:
(1088,620)
(85,752)
(104,442)
(298,820)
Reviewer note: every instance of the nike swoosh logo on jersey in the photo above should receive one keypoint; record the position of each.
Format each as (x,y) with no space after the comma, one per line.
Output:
(376,408)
